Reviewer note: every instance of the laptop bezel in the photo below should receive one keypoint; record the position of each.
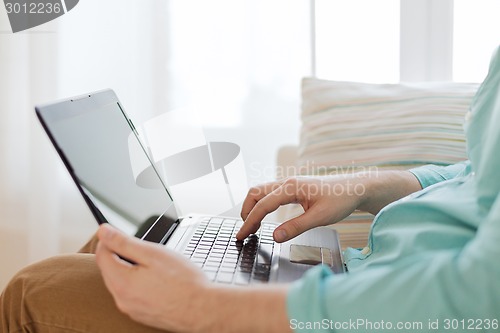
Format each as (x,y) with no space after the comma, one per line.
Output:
(75,106)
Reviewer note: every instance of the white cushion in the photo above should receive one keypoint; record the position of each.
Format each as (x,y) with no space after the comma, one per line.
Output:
(350,124)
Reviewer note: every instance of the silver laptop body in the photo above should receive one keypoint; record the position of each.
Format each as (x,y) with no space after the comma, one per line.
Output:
(99,146)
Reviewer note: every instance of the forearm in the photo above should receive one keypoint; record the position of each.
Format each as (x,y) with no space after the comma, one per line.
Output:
(246,309)
(384,187)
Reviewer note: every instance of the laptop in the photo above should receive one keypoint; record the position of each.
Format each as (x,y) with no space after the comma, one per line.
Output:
(100,146)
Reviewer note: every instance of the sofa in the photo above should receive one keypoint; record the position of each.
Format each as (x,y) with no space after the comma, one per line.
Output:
(350,126)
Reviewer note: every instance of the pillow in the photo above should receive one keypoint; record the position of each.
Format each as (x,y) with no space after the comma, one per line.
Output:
(349,125)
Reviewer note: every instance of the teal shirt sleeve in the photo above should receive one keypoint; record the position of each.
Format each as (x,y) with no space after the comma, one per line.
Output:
(430,174)
(455,284)
(448,278)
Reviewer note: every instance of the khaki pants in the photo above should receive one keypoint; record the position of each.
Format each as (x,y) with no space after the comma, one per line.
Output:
(63,294)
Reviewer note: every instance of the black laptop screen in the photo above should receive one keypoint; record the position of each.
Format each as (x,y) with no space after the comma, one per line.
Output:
(106,159)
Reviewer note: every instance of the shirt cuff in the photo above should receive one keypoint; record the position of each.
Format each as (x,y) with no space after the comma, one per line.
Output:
(430,174)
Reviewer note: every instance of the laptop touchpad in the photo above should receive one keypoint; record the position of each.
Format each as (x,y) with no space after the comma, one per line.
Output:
(309,255)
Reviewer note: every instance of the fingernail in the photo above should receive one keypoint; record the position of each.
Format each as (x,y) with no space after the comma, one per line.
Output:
(106,231)
(280,235)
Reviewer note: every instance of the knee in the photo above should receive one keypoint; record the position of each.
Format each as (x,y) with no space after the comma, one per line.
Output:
(14,310)
(32,289)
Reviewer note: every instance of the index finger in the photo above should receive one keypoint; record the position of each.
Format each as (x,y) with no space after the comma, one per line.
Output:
(255,194)
(267,204)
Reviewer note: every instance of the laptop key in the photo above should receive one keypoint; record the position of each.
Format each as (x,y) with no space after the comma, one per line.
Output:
(262,270)
(241,278)
(209,268)
(225,269)
(199,256)
(225,277)
(212,258)
(197,264)
(231,258)
(210,275)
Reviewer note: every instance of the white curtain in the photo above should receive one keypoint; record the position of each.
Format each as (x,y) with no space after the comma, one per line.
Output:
(28,174)
(88,49)
(240,62)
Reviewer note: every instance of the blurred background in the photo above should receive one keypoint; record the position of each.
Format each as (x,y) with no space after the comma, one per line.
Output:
(239,63)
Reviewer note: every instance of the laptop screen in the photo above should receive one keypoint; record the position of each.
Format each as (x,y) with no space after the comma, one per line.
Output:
(110,165)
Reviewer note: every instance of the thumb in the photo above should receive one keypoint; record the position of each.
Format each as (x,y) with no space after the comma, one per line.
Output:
(132,248)
(294,227)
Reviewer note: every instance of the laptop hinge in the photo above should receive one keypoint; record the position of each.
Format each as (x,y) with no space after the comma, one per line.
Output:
(169,233)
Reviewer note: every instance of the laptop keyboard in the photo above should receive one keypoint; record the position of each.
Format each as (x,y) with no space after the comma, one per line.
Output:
(215,249)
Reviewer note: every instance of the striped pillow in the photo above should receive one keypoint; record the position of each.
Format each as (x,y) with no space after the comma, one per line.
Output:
(349,125)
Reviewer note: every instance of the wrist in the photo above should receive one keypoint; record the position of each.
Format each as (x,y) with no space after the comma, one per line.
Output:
(364,187)
(243,309)
(385,187)
(204,315)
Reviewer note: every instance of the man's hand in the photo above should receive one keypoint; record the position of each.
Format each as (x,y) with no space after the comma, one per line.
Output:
(164,290)
(325,200)
(161,290)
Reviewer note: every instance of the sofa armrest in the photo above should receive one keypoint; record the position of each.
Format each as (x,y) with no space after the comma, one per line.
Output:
(353,231)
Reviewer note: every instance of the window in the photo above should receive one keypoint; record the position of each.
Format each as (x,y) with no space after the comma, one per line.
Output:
(404,40)
(357,40)
(476,34)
